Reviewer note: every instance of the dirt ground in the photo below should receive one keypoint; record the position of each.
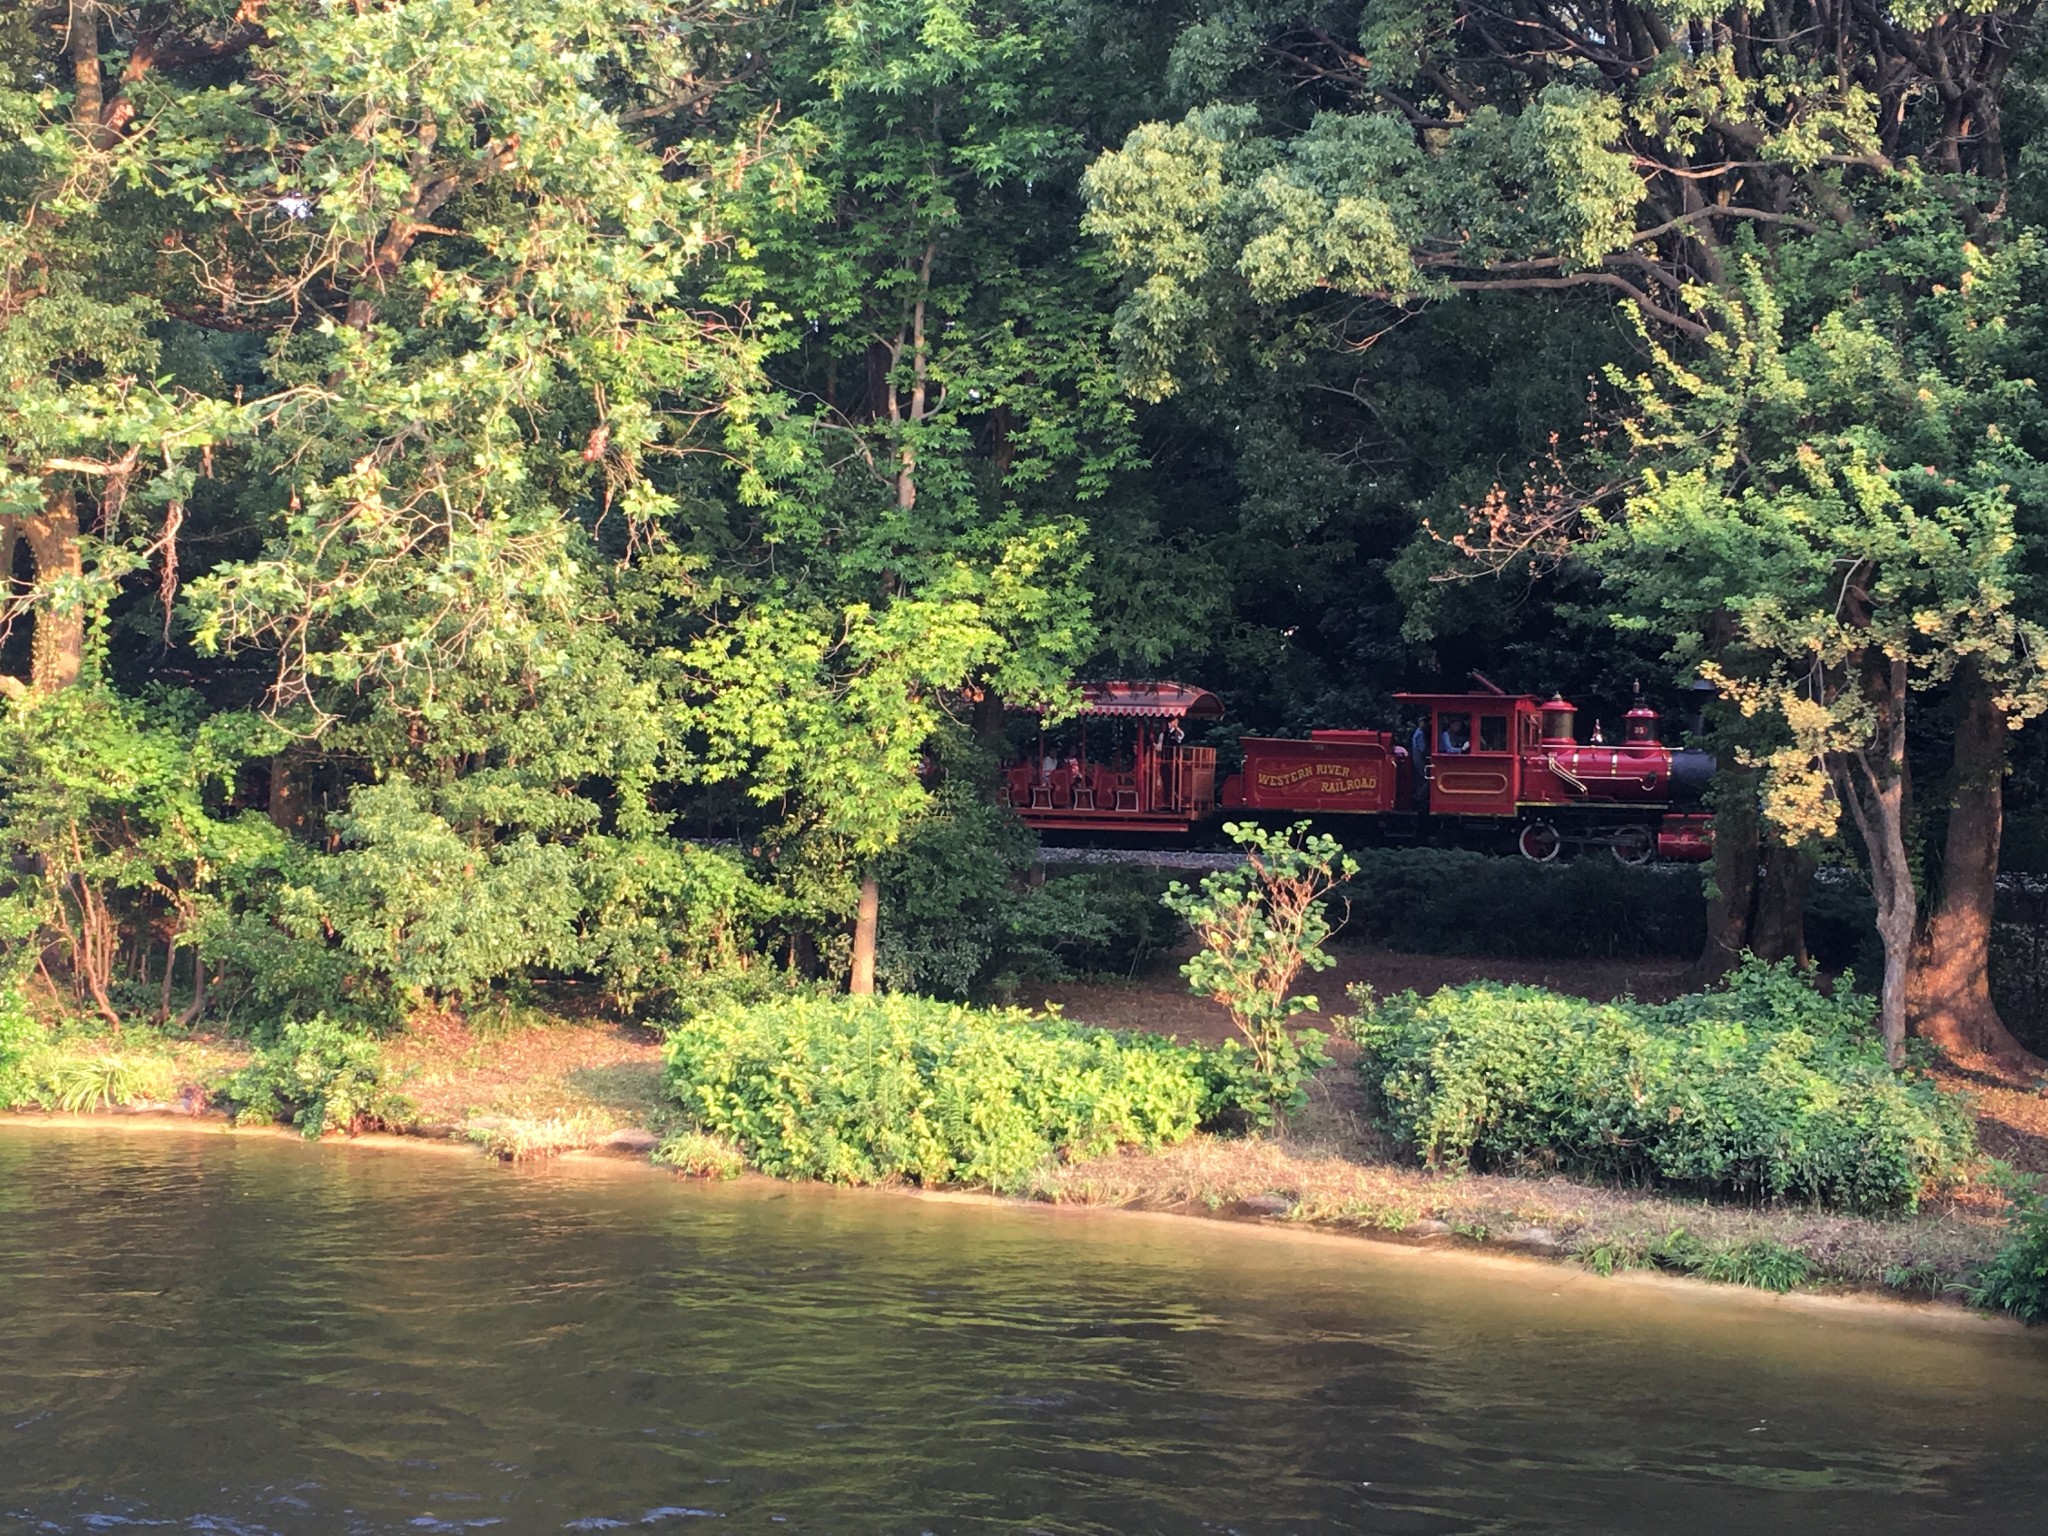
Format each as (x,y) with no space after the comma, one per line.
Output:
(599,1071)
(1161,1001)
(2012,1119)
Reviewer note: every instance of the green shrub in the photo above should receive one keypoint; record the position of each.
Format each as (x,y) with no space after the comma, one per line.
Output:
(20,1035)
(963,917)
(2017,1280)
(946,892)
(318,1075)
(861,1090)
(1093,922)
(1259,926)
(1764,1090)
(410,898)
(749,986)
(659,913)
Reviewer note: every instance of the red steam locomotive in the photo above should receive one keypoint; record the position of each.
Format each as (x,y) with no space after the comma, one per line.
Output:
(1485,768)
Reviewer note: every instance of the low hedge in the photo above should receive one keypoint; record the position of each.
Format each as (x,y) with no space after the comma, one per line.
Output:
(1449,901)
(1764,1090)
(864,1090)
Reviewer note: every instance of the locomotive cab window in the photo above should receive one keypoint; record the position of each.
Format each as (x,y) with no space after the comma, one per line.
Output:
(1453,733)
(1493,733)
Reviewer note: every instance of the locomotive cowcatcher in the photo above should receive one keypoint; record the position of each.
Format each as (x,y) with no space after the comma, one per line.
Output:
(1479,768)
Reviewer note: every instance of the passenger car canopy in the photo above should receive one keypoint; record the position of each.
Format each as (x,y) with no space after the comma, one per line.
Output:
(1150,701)
(1143,701)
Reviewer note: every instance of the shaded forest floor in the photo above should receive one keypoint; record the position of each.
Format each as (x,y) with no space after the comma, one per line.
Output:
(546,1085)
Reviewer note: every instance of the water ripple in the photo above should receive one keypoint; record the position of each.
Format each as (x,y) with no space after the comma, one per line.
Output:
(253,1338)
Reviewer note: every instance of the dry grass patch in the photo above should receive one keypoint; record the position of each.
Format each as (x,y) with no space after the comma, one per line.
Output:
(517,1140)
(1330,1168)
(589,1075)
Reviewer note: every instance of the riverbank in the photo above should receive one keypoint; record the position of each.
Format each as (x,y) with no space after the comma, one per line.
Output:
(1454,1260)
(542,1087)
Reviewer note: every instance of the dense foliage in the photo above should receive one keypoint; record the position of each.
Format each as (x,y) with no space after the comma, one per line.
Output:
(1763,1090)
(2017,1280)
(862,1091)
(18,1035)
(563,491)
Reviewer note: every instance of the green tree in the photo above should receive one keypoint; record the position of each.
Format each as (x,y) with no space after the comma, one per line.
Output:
(955,401)
(401,297)
(1852,501)
(98,446)
(1622,153)
(467,251)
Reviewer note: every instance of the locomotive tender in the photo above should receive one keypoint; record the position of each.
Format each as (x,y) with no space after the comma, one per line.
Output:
(1485,768)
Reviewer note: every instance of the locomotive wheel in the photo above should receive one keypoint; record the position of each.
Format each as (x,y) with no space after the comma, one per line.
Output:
(1634,845)
(1540,842)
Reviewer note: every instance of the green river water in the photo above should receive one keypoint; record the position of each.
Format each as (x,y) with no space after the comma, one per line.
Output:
(243,1336)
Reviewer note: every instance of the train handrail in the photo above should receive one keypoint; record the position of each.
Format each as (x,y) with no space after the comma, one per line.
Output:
(1572,780)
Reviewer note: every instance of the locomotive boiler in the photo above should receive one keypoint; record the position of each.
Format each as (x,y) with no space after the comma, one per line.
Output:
(1484,768)
(1491,767)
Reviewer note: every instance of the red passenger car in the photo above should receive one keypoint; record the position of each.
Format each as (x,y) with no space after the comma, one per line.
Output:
(1122,765)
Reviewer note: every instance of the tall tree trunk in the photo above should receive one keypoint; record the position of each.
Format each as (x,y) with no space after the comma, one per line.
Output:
(988,721)
(1778,931)
(1872,783)
(905,417)
(10,540)
(286,808)
(196,1009)
(1949,990)
(57,653)
(88,86)
(1736,839)
(862,982)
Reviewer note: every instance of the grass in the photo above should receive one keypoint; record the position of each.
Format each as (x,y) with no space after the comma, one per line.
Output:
(516,1140)
(85,1071)
(81,1084)
(701,1156)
